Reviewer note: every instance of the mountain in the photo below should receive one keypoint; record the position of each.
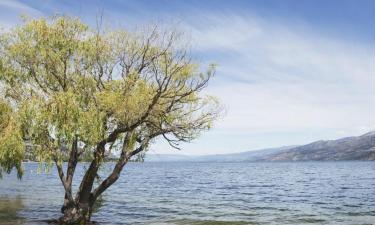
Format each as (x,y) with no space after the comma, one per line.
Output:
(349,148)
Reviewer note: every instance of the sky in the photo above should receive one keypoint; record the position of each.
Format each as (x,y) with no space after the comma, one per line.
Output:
(289,71)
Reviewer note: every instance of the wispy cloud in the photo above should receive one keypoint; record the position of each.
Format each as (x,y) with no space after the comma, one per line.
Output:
(16,5)
(11,10)
(280,79)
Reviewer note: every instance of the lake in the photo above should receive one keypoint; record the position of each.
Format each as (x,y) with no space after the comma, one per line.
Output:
(207,193)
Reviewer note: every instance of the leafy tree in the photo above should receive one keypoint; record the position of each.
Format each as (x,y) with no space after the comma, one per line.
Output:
(68,91)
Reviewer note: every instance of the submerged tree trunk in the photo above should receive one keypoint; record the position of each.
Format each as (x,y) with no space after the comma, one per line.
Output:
(75,210)
(77,213)
(73,215)
(79,210)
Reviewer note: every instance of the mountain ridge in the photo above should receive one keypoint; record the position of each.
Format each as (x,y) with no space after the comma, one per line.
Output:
(348,148)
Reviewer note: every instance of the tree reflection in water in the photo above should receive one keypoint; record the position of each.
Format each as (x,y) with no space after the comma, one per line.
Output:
(9,210)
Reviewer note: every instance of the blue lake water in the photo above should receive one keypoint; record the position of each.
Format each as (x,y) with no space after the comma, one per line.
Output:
(208,193)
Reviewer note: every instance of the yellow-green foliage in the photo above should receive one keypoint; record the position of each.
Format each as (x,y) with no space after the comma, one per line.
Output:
(62,81)
(125,100)
(11,144)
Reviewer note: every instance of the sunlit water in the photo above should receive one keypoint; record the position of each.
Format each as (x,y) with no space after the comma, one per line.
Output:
(208,193)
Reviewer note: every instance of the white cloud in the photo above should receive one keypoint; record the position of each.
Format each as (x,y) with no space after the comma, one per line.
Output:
(284,78)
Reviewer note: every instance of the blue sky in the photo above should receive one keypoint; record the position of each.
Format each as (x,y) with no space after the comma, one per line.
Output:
(290,72)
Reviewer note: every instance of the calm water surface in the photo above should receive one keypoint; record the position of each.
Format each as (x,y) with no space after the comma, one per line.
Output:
(208,193)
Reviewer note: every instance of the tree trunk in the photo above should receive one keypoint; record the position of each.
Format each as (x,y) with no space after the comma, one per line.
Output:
(79,210)
(76,214)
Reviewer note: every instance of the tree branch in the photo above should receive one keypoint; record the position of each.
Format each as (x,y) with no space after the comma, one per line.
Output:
(124,158)
(60,171)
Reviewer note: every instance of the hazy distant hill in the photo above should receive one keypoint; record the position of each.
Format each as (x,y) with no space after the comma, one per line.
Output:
(242,156)
(235,157)
(349,148)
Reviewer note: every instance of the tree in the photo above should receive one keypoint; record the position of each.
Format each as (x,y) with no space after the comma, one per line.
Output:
(69,90)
